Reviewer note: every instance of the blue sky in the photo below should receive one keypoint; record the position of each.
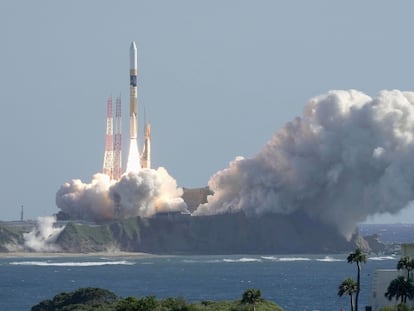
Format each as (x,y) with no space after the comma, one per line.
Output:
(217,79)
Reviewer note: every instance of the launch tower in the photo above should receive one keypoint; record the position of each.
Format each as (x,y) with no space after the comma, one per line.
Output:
(113,144)
(118,141)
(108,166)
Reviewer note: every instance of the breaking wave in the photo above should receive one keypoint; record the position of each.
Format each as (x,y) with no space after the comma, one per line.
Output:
(329,259)
(242,260)
(381,258)
(71,264)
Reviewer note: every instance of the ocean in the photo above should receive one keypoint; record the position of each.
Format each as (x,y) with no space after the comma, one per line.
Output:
(295,282)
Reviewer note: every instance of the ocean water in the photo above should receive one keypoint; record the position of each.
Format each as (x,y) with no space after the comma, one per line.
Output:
(389,233)
(305,282)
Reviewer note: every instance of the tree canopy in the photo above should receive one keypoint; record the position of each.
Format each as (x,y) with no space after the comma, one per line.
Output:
(97,299)
(348,287)
(357,257)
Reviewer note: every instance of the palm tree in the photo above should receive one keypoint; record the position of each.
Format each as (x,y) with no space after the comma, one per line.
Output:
(251,297)
(406,263)
(400,288)
(348,287)
(358,257)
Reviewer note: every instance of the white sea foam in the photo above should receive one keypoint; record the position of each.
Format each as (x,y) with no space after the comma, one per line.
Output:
(272,258)
(329,259)
(295,259)
(213,261)
(242,260)
(71,264)
(379,258)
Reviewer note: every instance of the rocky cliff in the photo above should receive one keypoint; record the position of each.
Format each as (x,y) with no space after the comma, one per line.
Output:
(174,233)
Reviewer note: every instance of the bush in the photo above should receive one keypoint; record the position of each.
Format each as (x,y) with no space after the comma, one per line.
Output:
(91,297)
(97,299)
(400,307)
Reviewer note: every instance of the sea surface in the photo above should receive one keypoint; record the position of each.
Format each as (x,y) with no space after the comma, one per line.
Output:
(295,282)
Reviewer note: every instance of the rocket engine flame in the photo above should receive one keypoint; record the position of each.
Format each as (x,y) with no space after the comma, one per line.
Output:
(133,161)
(349,156)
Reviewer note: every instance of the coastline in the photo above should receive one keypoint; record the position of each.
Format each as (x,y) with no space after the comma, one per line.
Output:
(68,255)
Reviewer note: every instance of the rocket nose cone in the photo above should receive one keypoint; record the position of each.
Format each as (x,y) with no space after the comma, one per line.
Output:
(133,56)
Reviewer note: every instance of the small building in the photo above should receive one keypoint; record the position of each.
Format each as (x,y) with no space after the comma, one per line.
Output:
(380,282)
(407,249)
(383,277)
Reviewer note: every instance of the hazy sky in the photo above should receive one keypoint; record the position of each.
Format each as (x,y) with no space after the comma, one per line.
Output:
(217,79)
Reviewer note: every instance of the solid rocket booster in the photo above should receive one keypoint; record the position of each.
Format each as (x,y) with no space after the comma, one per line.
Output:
(133,92)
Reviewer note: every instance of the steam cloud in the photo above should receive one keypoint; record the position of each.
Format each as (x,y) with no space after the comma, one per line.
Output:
(136,194)
(348,157)
(43,237)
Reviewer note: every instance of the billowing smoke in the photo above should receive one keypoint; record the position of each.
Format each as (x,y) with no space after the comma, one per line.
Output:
(348,157)
(43,236)
(143,193)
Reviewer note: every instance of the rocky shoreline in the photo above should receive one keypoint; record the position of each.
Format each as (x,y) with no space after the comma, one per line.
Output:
(176,234)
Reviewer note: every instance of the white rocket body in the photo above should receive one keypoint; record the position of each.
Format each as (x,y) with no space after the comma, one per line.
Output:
(133,92)
(133,163)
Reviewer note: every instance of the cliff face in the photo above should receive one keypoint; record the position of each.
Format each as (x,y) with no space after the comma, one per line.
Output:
(11,238)
(219,234)
(84,238)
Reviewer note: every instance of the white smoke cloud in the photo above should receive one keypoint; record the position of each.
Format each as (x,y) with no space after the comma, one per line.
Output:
(86,201)
(348,157)
(43,237)
(136,194)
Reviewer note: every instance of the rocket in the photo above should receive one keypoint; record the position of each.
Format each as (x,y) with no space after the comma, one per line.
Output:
(133,92)
(146,153)
(133,163)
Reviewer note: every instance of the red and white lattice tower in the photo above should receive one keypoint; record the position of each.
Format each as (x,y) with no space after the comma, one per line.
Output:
(108,165)
(117,141)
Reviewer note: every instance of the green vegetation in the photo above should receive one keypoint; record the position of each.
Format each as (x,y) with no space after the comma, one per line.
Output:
(405,263)
(348,287)
(130,228)
(400,307)
(252,297)
(357,257)
(81,299)
(10,236)
(77,237)
(97,299)
(402,287)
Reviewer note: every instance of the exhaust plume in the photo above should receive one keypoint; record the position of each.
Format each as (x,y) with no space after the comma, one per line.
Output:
(43,237)
(348,157)
(141,193)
